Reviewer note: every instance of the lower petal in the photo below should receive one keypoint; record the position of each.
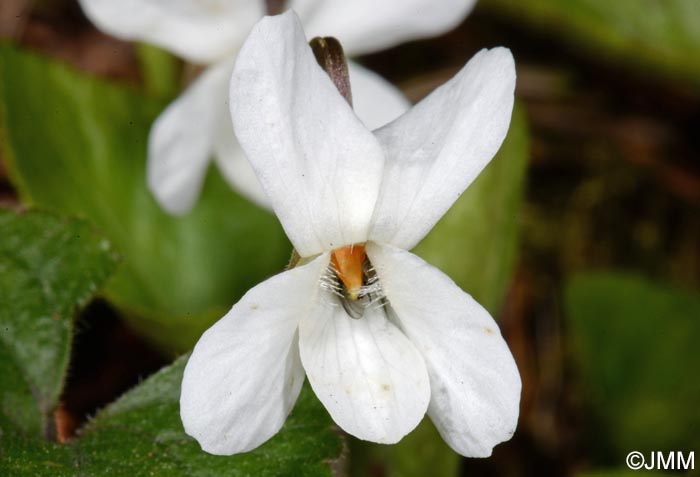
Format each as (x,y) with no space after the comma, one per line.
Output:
(367,374)
(244,375)
(182,139)
(474,381)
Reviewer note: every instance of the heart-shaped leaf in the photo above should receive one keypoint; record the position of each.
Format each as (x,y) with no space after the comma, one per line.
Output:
(48,267)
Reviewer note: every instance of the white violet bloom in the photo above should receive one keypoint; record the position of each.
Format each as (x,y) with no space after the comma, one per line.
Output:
(197,125)
(382,336)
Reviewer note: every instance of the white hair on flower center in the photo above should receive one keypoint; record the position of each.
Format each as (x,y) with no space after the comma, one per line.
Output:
(370,294)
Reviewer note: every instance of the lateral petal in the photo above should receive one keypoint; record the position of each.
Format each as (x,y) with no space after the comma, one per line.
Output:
(244,374)
(474,381)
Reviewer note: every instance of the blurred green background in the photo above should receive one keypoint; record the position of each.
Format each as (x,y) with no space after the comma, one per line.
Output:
(582,237)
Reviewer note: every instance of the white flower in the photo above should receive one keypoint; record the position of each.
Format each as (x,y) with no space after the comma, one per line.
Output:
(197,124)
(382,336)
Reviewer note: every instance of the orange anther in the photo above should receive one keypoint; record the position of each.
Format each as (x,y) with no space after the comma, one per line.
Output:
(348,265)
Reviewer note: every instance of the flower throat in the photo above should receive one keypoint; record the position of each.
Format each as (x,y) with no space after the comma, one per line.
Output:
(351,277)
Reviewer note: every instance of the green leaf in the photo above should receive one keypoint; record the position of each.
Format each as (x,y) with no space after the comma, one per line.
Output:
(659,35)
(48,267)
(78,145)
(635,344)
(141,435)
(22,456)
(475,243)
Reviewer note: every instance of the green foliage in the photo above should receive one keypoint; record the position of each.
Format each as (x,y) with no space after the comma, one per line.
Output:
(141,435)
(48,267)
(475,243)
(635,344)
(159,70)
(661,35)
(78,145)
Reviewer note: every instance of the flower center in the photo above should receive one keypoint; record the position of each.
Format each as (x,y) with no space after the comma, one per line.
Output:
(351,277)
(348,263)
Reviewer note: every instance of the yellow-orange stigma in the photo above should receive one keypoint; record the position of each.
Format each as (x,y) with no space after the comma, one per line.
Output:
(348,263)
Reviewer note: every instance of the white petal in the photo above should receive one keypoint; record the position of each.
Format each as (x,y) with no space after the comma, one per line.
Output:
(363,26)
(439,147)
(182,140)
(316,161)
(367,374)
(244,375)
(199,31)
(375,100)
(235,167)
(474,382)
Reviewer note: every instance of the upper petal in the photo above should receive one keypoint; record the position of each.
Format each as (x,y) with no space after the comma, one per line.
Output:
(199,31)
(181,140)
(435,150)
(367,374)
(363,26)
(375,100)
(474,382)
(244,375)
(315,159)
